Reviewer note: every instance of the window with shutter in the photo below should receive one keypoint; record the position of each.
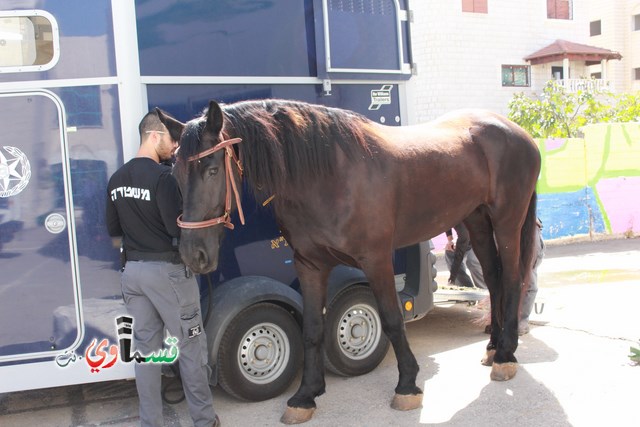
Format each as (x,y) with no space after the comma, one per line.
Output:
(474,6)
(559,9)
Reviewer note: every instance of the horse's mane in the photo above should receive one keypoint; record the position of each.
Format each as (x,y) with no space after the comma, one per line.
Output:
(288,143)
(284,144)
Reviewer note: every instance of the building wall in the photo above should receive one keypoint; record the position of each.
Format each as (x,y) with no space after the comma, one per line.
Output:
(616,24)
(632,47)
(459,55)
(591,185)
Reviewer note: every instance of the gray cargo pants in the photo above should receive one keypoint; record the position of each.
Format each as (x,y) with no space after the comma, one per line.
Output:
(529,297)
(158,295)
(473,264)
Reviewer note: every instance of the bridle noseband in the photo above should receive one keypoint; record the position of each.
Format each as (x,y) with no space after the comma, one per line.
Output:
(230,184)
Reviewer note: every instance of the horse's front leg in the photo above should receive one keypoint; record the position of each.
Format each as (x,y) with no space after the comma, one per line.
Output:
(301,405)
(380,274)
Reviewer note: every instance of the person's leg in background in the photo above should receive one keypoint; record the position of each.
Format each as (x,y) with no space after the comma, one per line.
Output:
(462,278)
(476,270)
(529,298)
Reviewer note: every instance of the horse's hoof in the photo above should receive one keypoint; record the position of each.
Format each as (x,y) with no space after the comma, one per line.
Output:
(503,371)
(487,360)
(406,402)
(296,415)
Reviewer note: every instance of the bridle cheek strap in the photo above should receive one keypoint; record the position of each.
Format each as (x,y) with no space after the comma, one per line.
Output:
(231,186)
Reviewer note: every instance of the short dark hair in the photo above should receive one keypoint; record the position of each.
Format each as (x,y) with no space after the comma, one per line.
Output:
(150,122)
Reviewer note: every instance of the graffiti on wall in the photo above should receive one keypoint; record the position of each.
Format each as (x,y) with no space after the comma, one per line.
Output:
(591,184)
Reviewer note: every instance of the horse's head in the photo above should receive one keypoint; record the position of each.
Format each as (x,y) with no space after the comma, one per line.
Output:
(201,174)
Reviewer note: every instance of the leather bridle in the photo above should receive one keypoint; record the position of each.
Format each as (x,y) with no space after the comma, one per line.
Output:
(230,156)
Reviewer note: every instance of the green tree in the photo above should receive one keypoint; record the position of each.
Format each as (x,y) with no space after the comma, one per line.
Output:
(628,108)
(560,113)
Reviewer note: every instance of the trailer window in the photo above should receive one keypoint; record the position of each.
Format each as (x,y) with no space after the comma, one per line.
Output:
(364,36)
(28,41)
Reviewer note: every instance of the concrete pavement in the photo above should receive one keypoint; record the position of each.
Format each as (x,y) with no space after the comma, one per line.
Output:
(574,366)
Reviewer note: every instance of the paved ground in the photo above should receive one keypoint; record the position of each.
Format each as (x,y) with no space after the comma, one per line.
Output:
(574,367)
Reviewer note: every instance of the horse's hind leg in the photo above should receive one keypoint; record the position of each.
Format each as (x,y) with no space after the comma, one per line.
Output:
(301,405)
(505,364)
(379,271)
(499,258)
(484,247)
(516,240)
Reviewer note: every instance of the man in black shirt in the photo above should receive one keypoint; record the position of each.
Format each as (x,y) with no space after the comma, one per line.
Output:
(143,203)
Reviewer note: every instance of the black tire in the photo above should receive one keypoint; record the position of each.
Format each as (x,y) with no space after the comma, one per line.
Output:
(260,353)
(354,341)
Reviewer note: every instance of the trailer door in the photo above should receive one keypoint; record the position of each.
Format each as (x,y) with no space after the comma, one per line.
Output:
(37,239)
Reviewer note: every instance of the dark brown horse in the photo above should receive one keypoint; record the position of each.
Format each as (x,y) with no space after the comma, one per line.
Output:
(349,191)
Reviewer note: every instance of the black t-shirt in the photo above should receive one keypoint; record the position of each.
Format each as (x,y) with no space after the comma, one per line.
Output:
(143,203)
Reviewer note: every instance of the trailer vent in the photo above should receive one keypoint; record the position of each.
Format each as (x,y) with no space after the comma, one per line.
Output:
(365,7)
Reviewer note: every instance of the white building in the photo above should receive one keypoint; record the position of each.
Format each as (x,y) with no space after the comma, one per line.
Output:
(615,24)
(471,53)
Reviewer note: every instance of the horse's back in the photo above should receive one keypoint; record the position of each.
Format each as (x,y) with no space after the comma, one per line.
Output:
(446,168)
(478,141)
(454,128)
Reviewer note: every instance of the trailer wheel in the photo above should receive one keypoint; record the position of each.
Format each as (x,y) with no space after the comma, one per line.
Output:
(260,353)
(354,341)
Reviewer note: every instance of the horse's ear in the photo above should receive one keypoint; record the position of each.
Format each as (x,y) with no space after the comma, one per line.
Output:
(214,118)
(174,126)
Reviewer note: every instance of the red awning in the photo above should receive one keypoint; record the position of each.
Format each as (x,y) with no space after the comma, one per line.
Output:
(561,49)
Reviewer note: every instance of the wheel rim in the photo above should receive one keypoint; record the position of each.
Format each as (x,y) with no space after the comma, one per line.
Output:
(358,331)
(263,353)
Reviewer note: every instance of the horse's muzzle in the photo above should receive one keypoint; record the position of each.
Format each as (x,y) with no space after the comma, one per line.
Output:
(198,257)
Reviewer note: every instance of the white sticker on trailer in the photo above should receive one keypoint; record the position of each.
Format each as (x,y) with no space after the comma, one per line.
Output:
(380,97)
(15,171)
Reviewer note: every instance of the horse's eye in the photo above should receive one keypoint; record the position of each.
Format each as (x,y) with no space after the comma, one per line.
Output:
(212,171)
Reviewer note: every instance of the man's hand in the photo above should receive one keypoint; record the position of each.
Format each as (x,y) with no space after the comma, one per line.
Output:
(450,246)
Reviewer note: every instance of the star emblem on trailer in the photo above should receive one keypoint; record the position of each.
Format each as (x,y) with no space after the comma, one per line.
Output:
(15,171)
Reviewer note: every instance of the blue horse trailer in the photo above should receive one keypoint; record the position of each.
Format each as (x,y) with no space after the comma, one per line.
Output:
(76,76)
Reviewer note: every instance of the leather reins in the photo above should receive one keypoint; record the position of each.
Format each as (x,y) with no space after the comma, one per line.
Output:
(230,186)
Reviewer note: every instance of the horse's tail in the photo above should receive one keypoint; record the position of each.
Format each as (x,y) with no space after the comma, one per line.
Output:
(528,237)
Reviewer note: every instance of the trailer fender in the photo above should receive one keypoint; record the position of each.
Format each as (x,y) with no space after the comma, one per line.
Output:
(342,277)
